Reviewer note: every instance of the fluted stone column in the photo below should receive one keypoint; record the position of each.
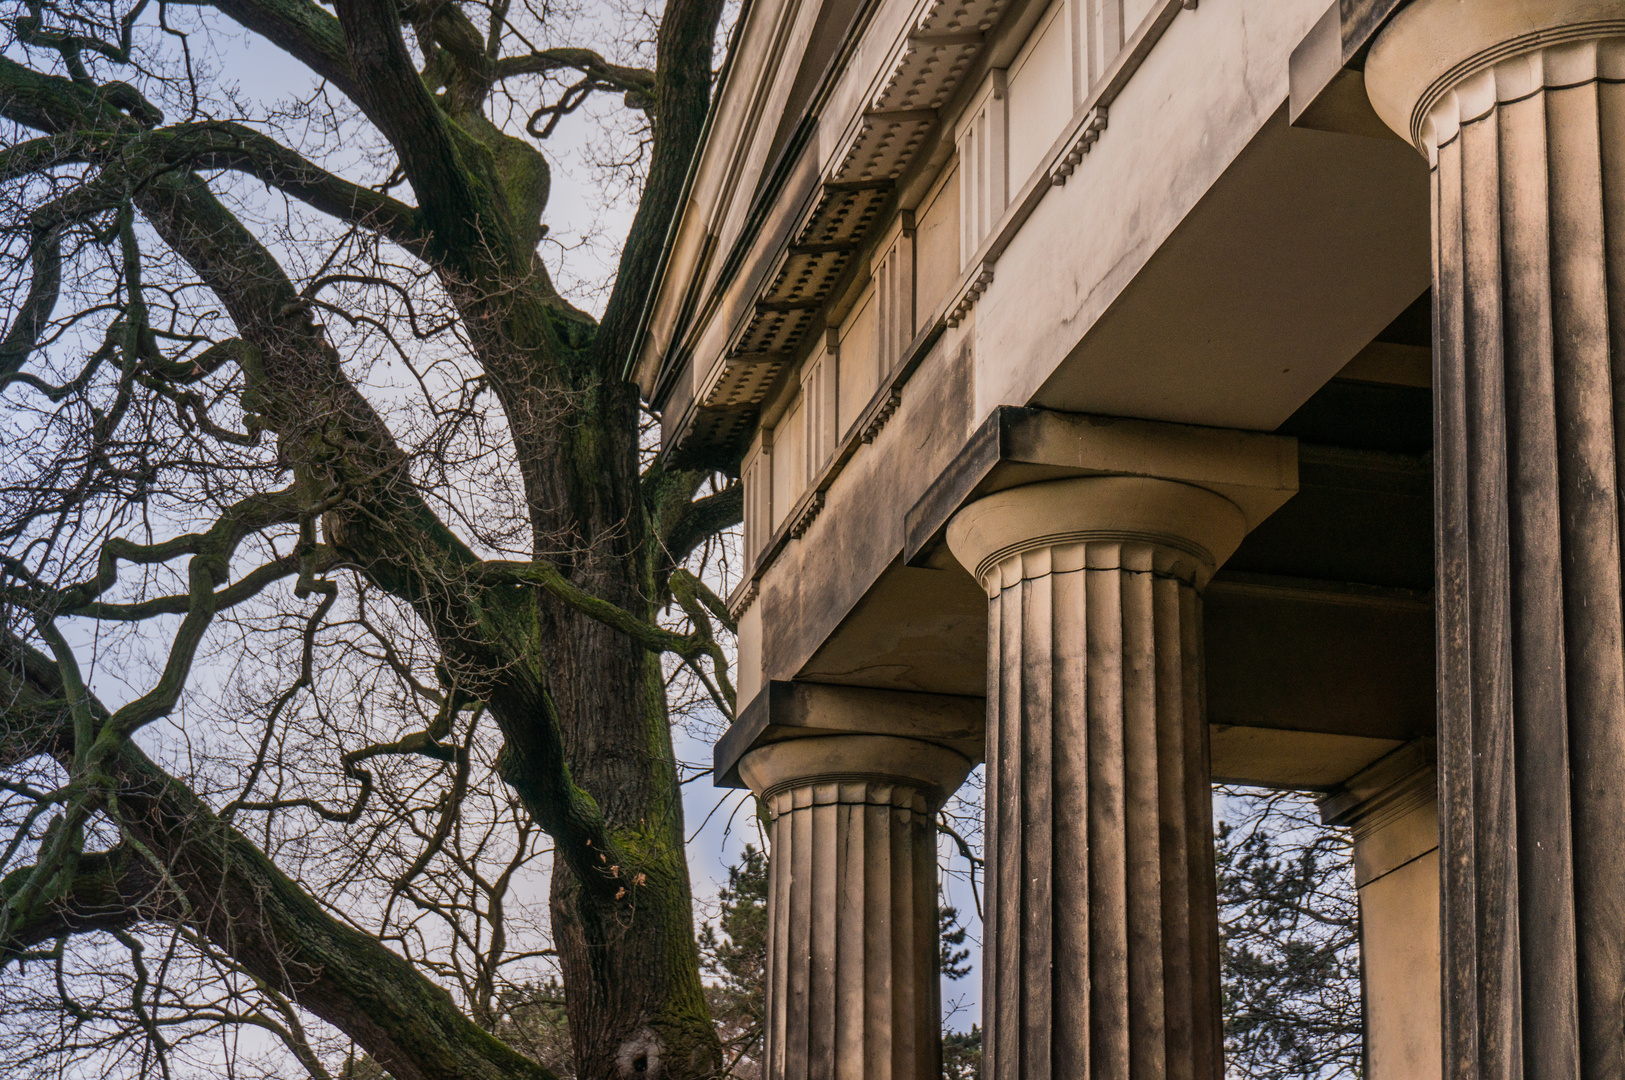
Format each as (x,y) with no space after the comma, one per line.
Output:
(1101,942)
(1520,111)
(852,983)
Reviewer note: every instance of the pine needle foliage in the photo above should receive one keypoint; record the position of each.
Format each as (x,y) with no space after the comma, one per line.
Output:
(1289,925)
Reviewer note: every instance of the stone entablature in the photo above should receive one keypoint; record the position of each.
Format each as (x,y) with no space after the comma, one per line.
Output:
(820,535)
(855,367)
(1005,134)
(1020,128)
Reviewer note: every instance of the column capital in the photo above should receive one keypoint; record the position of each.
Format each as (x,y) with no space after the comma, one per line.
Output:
(1016,446)
(933,771)
(1387,789)
(787,710)
(1097,523)
(1433,47)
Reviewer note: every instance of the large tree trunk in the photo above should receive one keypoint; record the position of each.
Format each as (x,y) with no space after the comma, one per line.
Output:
(628,953)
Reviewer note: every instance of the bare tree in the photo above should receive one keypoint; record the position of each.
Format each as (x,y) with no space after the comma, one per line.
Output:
(332,568)
(1289,927)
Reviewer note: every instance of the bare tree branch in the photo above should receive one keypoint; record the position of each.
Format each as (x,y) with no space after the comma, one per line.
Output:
(245,906)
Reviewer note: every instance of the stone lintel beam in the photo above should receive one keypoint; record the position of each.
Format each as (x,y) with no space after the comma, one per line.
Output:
(792,710)
(1319,656)
(1017,446)
(1327,92)
(1358,23)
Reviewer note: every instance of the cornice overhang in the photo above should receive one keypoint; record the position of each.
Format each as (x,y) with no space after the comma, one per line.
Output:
(881,143)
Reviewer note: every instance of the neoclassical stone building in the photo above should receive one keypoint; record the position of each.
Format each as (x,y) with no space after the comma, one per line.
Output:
(1131,394)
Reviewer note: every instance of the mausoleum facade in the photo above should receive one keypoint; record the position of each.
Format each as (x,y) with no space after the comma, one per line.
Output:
(1136,394)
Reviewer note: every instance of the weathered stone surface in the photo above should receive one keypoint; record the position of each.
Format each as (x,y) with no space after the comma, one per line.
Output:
(1521,114)
(1101,938)
(852,985)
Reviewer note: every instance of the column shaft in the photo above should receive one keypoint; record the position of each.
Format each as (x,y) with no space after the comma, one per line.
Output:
(1532,678)
(852,983)
(1101,948)
(1521,112)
